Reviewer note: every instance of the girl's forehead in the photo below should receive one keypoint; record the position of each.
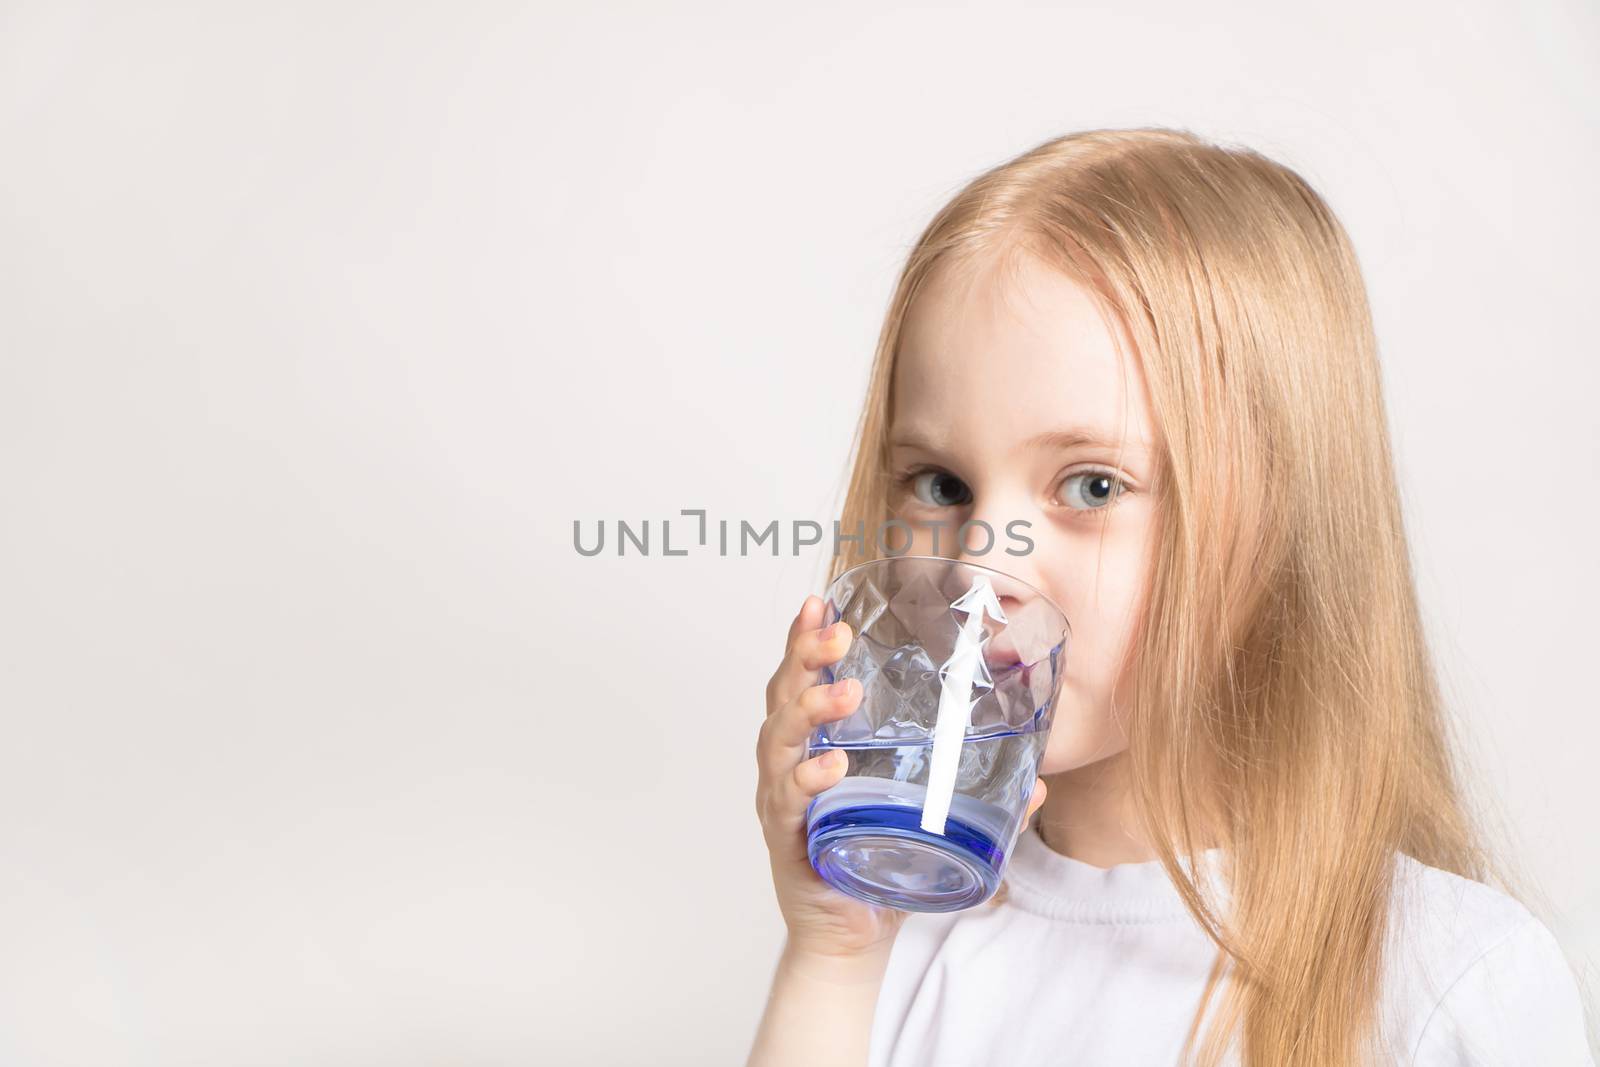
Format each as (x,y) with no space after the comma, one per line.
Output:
(1016,354)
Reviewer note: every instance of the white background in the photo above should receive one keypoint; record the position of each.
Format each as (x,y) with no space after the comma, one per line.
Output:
(321,323)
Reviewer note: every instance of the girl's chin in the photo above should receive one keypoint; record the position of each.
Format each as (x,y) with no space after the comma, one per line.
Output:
(1075,759)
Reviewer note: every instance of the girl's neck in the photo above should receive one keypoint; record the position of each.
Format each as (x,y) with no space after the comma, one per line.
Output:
(1088,815)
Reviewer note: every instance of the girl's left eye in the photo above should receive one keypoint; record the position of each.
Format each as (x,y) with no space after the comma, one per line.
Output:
(1090,490)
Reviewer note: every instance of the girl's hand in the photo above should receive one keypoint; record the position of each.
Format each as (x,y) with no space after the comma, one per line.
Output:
(823,922)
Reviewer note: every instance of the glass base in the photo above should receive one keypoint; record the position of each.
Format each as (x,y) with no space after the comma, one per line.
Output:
(884,857)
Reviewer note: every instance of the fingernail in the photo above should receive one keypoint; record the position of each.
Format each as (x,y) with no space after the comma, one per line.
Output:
(827,632)
(833,759)
(839,688)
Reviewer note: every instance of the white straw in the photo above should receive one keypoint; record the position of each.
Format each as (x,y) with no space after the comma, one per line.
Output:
(955,702)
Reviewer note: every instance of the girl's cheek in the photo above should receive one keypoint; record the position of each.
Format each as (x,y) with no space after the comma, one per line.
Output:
(1080,735)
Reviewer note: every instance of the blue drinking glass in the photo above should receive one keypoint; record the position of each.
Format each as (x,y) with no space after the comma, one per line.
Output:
(960,667)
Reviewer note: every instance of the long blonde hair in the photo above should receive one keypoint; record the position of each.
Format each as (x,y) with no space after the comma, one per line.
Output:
(1285,707)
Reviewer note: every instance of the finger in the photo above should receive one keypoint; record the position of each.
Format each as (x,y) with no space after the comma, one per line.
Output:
(810,651)
(784,734)
(1036,801)
(809,617)
(786,814)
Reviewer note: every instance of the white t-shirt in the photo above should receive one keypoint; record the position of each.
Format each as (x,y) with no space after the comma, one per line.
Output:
(1089,966)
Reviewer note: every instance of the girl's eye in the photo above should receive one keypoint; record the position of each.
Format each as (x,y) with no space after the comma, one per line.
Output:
(1090,490)
(940,489)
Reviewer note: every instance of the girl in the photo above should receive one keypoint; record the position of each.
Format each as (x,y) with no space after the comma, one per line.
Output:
(1250,844)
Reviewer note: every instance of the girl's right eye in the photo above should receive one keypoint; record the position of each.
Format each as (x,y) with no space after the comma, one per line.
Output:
(940,489)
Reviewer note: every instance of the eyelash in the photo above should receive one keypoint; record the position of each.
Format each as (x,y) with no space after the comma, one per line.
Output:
(904,478)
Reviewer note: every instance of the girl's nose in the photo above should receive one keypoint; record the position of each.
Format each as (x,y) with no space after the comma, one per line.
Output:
(988,547)
(1035,616)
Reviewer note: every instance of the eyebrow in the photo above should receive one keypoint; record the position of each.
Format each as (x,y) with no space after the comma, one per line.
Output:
(1073,437)
(1079,435)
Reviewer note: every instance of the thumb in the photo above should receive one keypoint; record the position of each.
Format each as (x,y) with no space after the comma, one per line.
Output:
(1036,799)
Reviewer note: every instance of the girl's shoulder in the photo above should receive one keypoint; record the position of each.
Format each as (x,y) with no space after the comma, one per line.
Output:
(1472,976)
(1452,918)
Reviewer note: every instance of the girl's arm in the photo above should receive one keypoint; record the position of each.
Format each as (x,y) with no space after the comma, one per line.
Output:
(825,990)
(820,1010)
(826,985)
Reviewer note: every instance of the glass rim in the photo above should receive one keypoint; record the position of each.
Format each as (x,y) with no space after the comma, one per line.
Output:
(1066,623)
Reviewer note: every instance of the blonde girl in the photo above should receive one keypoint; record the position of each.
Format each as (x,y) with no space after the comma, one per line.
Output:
(1249,843)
